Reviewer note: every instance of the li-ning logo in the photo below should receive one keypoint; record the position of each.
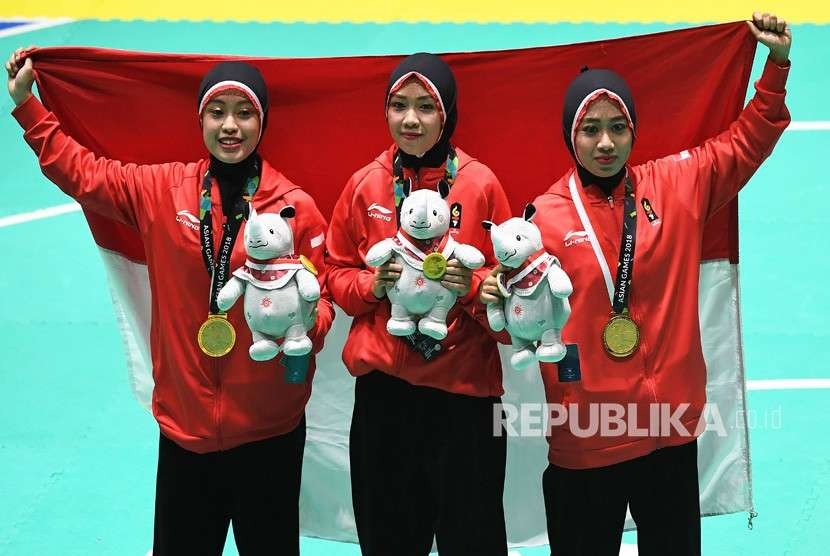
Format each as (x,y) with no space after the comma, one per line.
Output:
(380,212)
(184,217)
(575,238)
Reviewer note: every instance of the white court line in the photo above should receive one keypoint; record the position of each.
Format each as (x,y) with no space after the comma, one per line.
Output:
(625,550)
(39,214)
(789,384)
(809,126)
(35,25)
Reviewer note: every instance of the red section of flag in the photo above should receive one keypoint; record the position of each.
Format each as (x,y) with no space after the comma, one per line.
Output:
(327,114)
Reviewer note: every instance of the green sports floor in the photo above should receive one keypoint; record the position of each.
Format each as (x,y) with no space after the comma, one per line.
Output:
(77,453)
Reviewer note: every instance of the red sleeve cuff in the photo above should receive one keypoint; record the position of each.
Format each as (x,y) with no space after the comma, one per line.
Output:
(30,113)
(774,77)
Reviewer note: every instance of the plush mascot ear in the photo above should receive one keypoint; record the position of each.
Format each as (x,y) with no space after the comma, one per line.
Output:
(407,187)
(530,212)
(486,224)
(288,211)
(443,189)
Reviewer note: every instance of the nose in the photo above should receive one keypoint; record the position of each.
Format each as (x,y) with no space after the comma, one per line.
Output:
(410,119)
(605,143)
(229,124)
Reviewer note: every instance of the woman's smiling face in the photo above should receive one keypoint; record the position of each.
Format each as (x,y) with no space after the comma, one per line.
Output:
(231,127)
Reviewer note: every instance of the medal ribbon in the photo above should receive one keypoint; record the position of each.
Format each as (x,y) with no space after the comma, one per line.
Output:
(217,267)
(445,246)
(619,291)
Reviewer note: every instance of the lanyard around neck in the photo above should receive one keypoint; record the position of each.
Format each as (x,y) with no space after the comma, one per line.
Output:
(620,290)
(218,267)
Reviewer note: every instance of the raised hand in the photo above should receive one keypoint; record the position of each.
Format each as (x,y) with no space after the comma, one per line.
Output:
(21,75)
(774,33)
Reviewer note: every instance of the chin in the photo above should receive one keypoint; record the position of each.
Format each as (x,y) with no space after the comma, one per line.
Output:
(606,172)
(408,149)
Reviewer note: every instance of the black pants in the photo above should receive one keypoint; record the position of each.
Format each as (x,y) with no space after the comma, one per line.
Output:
(255,486)
(425,463)
(586,507)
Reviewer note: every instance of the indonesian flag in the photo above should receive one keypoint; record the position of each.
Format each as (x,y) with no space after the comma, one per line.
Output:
(327,120)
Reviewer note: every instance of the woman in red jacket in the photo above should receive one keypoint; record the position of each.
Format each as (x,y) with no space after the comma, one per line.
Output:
(634,343)
(424,460)
(232,429)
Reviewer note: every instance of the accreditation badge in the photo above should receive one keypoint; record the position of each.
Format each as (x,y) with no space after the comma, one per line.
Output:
(435,266)
(621,336)
(216,336)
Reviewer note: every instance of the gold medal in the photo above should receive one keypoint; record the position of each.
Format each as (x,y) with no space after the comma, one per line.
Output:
(309,266)
(216,336)
(435,266)
(621,336)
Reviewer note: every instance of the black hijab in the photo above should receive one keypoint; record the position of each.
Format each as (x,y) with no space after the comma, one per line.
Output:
(439,74)
(587,84)
(230,75)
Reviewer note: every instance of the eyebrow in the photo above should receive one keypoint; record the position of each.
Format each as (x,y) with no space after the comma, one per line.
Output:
(222,102)
(615,118)
(423,97)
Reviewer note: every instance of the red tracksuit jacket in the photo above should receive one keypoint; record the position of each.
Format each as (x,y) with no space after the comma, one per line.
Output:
(684,190)
(203,404)
(364,215)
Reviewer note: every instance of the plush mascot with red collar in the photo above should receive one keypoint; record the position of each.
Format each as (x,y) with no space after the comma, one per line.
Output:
(535,289)
(281,289)
(422,247)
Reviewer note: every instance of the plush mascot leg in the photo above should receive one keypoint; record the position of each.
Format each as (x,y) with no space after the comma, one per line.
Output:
(401,323)
(523,354)
(296,341)
(552,349)
(434,323)
(263,348)
(495,316)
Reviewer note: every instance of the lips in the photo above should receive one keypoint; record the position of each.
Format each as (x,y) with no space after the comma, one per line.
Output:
(230,143)
(410,136)
(605,160)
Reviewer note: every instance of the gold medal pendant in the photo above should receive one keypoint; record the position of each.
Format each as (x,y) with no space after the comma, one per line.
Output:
(309,266)
(435,266)
(216,336)
(621,336)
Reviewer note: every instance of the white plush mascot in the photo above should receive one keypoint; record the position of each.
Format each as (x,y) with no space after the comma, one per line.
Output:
(281,289)
(422,247)
(536,292)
